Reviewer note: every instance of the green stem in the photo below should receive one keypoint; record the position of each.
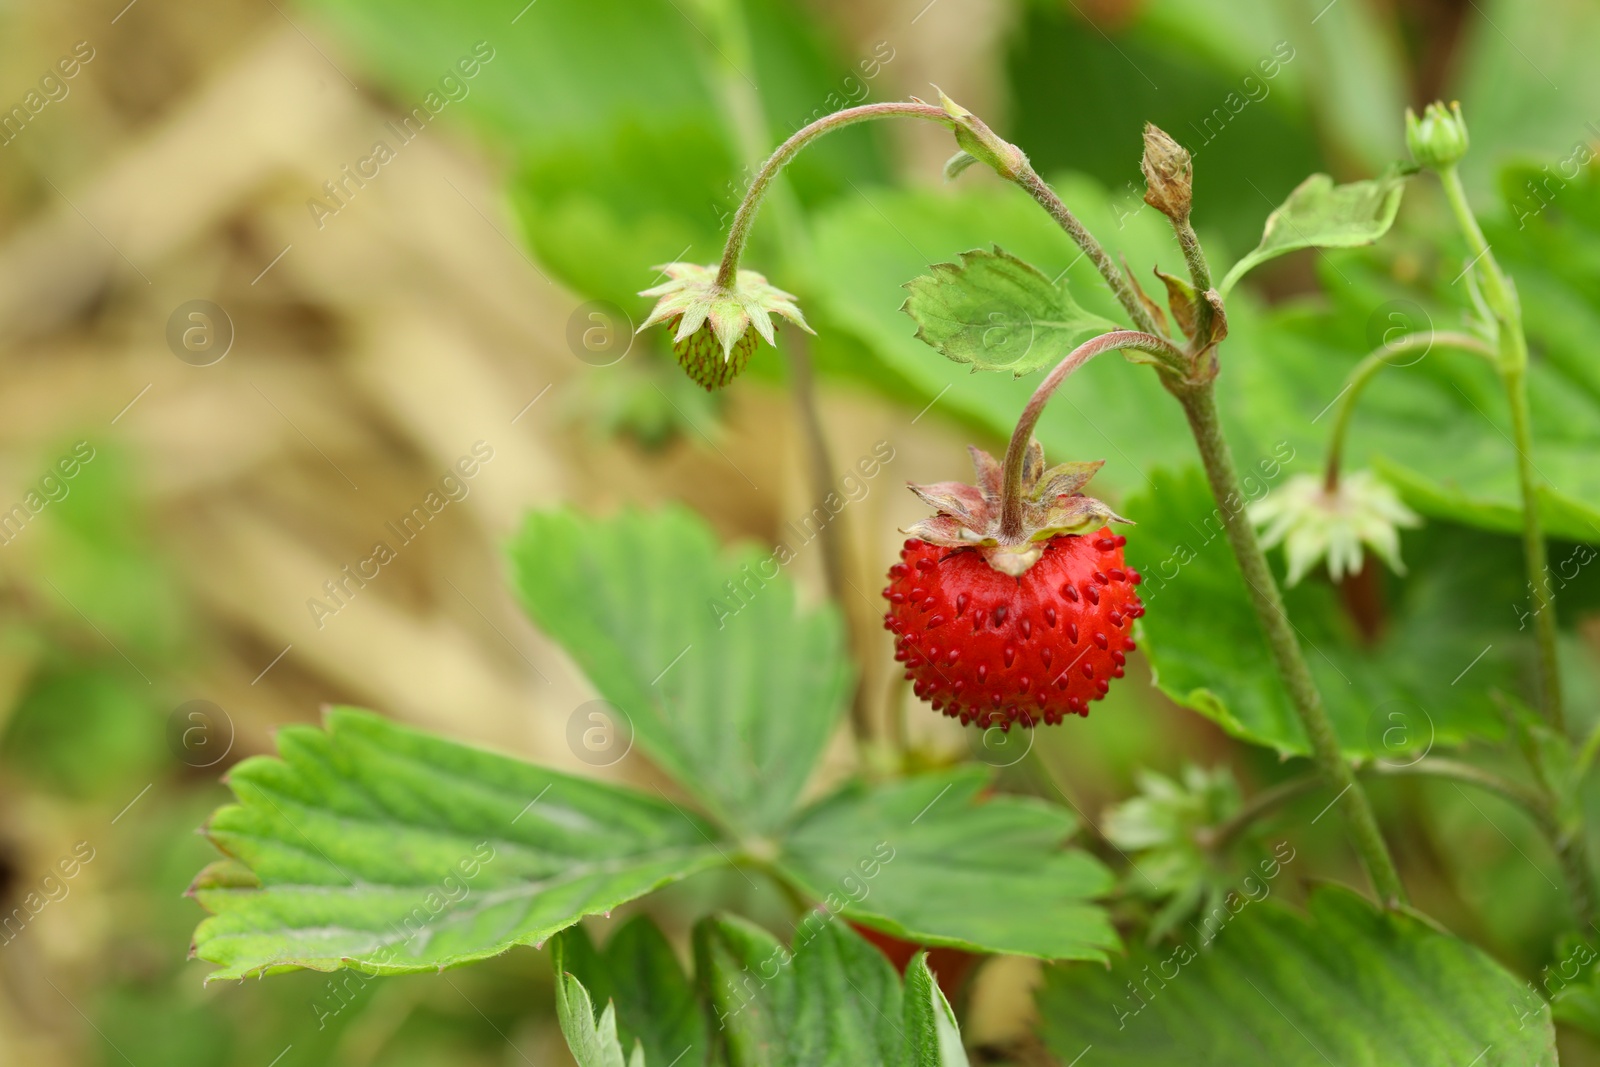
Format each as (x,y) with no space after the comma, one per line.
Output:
(1199,404)
(1513,364)
(745,116)
(1035,186)
(739,232)
(1268,800)
(1193,255)
(1011,531)
(1368,368)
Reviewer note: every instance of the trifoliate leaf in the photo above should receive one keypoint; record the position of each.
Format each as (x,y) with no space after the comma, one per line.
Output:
(996,312)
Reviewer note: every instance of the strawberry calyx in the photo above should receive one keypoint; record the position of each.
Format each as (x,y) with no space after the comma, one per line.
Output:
(715,325)
(1052,499)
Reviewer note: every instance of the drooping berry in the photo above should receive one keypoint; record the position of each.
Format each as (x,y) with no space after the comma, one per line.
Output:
(1012,665)
(714,324)
(701,356)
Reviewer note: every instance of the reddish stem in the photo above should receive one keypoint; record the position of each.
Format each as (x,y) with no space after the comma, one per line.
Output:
(1011,488)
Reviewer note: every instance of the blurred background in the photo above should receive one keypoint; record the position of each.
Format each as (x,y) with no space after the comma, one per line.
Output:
(269,269)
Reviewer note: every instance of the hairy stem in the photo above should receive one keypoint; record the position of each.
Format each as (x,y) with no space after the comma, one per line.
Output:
(1047,198)
(1368,368)
(739,232)
(1017,450)
(1513,364)
(1199,404)
(1193,255)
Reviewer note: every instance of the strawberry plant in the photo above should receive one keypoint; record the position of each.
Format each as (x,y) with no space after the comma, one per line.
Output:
(1013,607)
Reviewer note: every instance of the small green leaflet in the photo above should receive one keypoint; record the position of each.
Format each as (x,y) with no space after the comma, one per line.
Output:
(594,1043)
(1320,214)
(997,313)
(923,859)
(371,845)
(657,1006)
(731,685)
(1265,986)
(829,998)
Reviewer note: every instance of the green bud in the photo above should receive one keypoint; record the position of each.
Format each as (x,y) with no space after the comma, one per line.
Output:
(1439,139)
(976,139)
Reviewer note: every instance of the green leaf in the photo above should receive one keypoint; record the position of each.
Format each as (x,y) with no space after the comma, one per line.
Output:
(830,998)
(1346,984)
(1320,214)
(594,1042)
(378,846)
(833,999)
(1455,605)
(927,860)
(932,1035)
(639,973)
(996,312)
(727,682)
(865,248)
(1576,1000)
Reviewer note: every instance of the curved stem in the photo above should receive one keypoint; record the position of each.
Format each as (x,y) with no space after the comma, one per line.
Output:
(1264,802)
(745,116)
(739,232)
(1017,449)
(1199,404)
(1513,362)
(1368,368)
(1047,198)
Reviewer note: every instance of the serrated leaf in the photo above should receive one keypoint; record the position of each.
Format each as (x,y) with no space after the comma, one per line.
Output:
(996,312)
(829,998)
(593,1042)
(727,682)
(1320,214)
(382,847)
(638,972)
(1345,984)
(860,260)
(925,860)
(1389,699)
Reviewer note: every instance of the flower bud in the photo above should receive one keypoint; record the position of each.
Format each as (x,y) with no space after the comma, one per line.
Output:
(1168,176)
(977,140)
(1439,139)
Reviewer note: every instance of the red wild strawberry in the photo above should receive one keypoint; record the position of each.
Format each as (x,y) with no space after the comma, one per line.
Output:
(1029,632)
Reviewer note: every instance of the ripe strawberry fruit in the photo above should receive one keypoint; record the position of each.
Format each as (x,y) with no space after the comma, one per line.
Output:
(994,634)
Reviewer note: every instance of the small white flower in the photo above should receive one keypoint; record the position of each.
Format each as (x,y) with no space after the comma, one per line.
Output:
(1313,523)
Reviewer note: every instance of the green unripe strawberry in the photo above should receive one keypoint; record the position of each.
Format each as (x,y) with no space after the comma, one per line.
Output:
(702,358)
(715,325)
